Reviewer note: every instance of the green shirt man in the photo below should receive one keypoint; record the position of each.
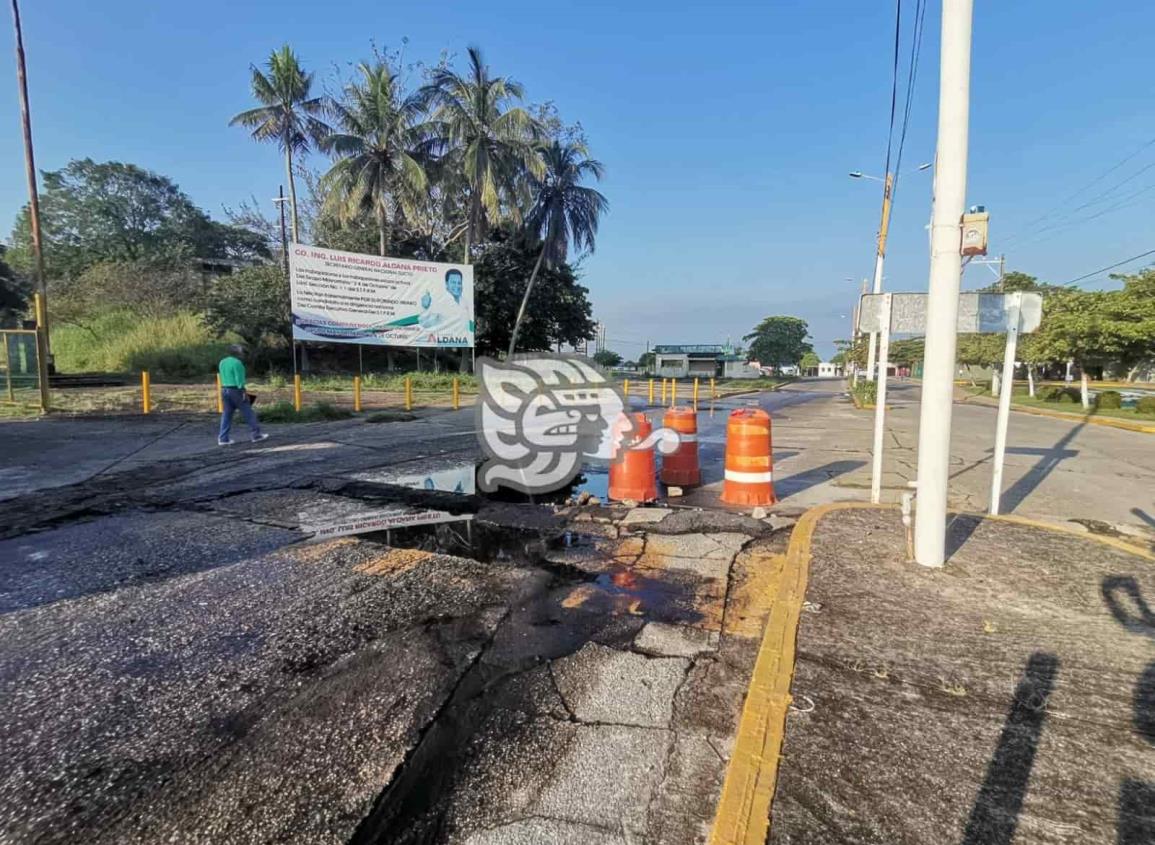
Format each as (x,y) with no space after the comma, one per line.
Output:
(232,370)
(233,397)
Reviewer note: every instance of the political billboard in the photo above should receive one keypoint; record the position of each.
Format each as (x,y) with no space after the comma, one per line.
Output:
(346,297)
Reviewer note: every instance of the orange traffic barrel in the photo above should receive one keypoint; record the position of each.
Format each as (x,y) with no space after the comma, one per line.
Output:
(633,475)
(749,462)
(681,467)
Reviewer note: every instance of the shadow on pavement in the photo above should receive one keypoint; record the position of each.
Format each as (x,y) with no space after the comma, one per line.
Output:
(962,527)
(1136,813)
(1049,459)
(807,478)
(1136,799)
(1000,800)
(1143,515)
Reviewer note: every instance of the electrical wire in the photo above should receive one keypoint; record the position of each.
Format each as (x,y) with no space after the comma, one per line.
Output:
(1048,232)
(1029,228)
(894,82)
(1110,267)
(911,81)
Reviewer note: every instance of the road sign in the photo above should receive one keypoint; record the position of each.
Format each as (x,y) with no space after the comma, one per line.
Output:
(977,312)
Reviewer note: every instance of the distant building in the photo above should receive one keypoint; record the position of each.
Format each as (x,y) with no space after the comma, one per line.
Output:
(826,369)
(702,360)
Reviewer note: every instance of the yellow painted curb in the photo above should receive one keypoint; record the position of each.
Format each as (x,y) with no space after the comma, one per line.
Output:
(743,813)
(742,816)
(1113,542)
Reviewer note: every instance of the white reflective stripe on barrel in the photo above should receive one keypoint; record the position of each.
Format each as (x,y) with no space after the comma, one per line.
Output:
(687,438)
(749,477)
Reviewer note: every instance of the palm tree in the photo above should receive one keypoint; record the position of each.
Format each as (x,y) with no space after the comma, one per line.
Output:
(490,141)
(379,146)
(564,212)
(287,114)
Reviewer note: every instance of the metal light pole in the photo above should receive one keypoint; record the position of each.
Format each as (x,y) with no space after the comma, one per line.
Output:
(945,276)
(33,193)
(880,253)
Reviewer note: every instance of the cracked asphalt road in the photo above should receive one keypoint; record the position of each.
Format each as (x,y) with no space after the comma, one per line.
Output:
(177,665)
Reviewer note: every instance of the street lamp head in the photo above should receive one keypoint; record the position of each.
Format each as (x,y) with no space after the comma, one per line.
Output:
(856,174)
(924,166)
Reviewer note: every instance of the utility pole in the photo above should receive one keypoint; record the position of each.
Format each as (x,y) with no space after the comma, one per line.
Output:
(884,226)
(1002,271)
(945,276)
(33,193)
(280,201)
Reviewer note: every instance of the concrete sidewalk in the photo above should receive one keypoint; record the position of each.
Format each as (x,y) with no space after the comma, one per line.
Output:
(1009,696)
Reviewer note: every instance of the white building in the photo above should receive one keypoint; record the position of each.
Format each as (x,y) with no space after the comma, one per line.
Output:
(826,369)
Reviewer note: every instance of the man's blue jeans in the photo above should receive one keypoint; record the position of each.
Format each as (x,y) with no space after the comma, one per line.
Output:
(234,399)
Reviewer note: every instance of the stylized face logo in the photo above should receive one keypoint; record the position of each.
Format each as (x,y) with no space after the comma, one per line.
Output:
(453,284)
(541,416)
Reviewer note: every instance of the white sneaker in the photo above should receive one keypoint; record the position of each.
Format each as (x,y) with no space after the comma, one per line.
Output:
(225,442)
(260,437)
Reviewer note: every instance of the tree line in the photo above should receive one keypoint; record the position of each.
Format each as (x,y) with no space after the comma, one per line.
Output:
(455,167)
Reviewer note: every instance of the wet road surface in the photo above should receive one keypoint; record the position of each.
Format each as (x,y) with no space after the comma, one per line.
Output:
(177,665)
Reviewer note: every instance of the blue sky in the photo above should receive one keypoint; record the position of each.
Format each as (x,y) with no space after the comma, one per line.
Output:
(727,130)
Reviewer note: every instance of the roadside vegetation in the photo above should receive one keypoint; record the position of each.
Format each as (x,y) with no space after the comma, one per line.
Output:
(1107,403)
(447,161)
(864,393)
(284,412)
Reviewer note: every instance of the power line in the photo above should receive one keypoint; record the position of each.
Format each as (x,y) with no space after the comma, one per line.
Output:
(1063,203)
(1110,267)
(1127,201)
(911,79)
(894,81)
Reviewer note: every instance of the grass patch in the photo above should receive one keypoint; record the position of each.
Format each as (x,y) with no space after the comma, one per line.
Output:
(177,347)
(389,416)
(283,412)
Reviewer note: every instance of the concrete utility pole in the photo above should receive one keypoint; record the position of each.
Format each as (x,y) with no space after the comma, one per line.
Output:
(33,193)
(887,189)
(280,201)
(945,276)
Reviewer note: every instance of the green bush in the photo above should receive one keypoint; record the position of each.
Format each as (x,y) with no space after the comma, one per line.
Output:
(866,392)
(283,412)
(1109,400)
(179,346)
(1064,395)
(1146,405)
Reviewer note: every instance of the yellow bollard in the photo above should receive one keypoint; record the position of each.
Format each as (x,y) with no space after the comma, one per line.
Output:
(456,394)
(713,391)
(695,393)
(673,392)
(650,400)
(357,394)
(626,388)
(297,392)
(663,391)
(220,400)
(408,393)
(146,391)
